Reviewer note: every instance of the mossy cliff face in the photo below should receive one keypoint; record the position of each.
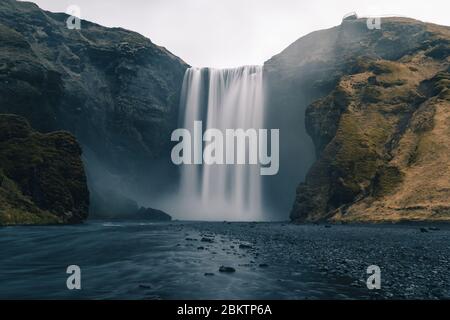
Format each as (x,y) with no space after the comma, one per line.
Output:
(115,90)
(42,179)
(382,131)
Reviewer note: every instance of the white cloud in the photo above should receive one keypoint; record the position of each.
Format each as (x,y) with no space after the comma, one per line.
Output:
(229,33)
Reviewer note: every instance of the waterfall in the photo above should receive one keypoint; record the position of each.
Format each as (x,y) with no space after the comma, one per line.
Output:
(222,99)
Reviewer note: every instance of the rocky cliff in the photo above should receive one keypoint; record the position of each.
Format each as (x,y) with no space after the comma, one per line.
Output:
(42,179)
(363,113)
(114,89)
(378,111)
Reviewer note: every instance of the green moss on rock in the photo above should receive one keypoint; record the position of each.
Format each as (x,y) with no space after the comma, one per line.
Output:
(42,179)
(375,146)
(386,180)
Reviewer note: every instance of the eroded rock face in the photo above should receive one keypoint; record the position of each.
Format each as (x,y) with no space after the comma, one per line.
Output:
(42,179)
(115,90)
(379,120)
(376,106)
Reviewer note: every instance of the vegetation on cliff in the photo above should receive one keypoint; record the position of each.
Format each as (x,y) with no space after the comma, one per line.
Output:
(42,179)
(382,132)
(113,89)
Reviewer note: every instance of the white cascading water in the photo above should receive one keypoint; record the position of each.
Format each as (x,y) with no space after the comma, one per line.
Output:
(222,99)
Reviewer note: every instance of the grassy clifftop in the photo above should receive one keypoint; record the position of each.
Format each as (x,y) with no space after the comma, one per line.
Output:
(42,180)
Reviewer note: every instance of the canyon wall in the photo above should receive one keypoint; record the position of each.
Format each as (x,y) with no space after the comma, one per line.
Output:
(378,111)
(115,90)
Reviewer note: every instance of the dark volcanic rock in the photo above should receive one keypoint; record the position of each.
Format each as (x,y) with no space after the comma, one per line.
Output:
(119,207)
(227,269)
(42,180)
(413,265)
(152,214)
(114,89)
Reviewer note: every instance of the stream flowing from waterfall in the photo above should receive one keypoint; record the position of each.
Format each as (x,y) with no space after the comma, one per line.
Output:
(222,99)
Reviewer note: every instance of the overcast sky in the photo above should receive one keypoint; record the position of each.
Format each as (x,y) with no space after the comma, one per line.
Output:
(230,33)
